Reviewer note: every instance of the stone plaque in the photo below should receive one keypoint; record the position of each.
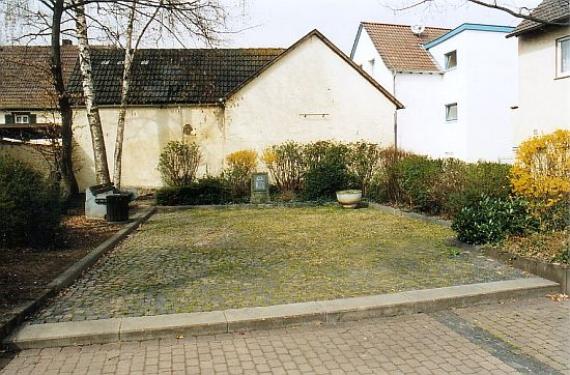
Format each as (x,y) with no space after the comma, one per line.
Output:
(259,188)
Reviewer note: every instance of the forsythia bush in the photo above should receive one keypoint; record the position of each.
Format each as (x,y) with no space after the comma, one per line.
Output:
(241,165)
(542,168)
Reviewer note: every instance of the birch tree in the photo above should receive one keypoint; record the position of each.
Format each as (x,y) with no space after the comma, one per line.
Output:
(202,19)
(93,116)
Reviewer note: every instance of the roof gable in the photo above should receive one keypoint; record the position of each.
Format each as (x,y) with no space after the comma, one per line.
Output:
(337,51)
(548,10)
(400,48)
(467,27)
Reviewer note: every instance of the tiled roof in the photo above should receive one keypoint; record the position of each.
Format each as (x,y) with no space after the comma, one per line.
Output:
(25,79)
(401,49)
(170,76)
(549,11)
(167,76)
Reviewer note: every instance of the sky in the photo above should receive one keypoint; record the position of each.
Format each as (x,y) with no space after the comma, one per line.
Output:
(279,23)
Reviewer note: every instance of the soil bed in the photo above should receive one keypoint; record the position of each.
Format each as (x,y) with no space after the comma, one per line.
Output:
(24,272)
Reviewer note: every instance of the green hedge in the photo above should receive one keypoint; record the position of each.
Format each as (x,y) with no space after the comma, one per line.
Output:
(30,207)
(209,190)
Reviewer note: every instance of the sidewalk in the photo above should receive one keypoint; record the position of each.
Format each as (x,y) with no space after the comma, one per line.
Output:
(527,336)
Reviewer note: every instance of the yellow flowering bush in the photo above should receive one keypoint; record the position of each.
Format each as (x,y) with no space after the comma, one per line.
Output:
(244,160)
(542,168)
(240,166)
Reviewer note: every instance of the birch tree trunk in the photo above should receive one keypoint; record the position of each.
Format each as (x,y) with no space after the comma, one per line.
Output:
(64,105)
(129,56)
(93,117)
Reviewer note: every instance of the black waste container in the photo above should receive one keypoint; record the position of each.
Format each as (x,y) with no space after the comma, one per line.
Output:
(118,207)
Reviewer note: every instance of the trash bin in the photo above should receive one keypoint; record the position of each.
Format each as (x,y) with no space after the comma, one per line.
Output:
(118,207)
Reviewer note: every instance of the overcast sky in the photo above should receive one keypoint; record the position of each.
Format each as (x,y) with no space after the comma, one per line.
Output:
(279,23)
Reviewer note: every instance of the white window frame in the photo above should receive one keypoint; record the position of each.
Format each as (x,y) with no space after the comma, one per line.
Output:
(447,108)
(446,60)
(21,119)
(559,72)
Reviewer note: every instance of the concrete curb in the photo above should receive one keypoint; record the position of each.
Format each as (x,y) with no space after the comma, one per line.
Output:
(228,321)
(559,273)
(67,277)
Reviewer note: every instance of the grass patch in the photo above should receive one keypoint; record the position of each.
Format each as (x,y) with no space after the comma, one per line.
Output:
(206,259)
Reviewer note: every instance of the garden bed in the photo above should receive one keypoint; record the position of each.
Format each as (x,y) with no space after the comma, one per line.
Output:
(25,273)
(204,260)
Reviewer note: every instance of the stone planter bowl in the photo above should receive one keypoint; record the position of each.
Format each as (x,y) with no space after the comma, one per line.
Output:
(349,198)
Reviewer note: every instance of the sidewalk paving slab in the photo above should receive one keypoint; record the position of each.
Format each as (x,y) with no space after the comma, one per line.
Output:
(218,322)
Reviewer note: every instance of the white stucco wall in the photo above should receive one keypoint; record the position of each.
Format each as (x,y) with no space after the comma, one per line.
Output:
(484,85)
(147,131)
(421,128)
(311,79)
(543,100)
(366,52)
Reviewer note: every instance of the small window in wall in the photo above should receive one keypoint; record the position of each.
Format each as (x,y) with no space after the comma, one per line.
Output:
(19,118)
(451,112)
(563,57)
(451,60)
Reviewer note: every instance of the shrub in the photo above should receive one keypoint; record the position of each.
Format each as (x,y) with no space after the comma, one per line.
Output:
(178,163)
(30,207)
(209,190)
(542,167)
(241,165)
(462,184)
(327,170)
(490,220)
(286,164)
(363,160)
(541,174)
(417,176)
(385,184)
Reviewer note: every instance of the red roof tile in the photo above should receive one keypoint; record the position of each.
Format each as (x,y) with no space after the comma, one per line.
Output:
(25,78)
(401,49)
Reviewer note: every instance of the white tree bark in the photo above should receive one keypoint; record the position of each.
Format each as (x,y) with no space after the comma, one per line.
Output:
(93,117)
(129,56)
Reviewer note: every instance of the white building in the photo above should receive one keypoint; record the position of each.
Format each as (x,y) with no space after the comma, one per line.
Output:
(544,72)
(223,99)
(458,86)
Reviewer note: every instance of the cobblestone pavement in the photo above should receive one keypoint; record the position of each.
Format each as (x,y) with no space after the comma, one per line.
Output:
(535,334)
(205,260)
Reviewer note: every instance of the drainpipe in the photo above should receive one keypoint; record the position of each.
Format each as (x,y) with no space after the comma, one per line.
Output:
(394,74)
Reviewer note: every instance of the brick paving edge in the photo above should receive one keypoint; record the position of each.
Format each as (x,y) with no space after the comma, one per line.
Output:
(72,273)
(279,316)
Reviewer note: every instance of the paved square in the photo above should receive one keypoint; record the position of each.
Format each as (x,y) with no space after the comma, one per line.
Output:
(416,344)
(205,260)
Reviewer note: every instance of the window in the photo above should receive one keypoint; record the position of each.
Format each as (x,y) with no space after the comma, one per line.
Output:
(451,60)
(21,119)
(451,112)
(563,57)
